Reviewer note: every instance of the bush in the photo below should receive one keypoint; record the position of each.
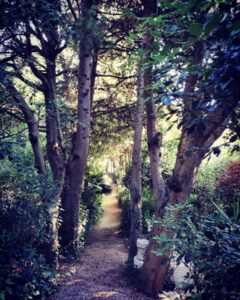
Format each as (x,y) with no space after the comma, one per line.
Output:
(228,186)
(24,218)
(205,186)
(125,203)
(24,271)
(211,243)
(218,181)
(91,197)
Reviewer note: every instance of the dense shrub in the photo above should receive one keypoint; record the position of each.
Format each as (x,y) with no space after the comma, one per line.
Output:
(218,181)
(91,197)
(205,187)
(23,218)
(125,203)
(211,243)
(231,176)
(228,186)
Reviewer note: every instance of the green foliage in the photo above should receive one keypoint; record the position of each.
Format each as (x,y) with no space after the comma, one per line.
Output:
(125,203)
(180,27)
(147,210)
(146,175)
(211,244)
(26,275)
(205,187)
(214,182)
(24,218)
(94,188)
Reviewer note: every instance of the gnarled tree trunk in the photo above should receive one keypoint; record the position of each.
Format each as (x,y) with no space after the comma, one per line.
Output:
(192,149)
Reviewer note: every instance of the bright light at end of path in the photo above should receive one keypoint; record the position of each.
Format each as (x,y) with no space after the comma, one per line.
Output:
(104,294)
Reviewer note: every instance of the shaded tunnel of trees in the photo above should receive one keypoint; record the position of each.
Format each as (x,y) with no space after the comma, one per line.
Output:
(152,89)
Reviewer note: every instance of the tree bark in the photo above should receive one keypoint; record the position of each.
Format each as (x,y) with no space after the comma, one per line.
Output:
(191,151)
(155,268)
(136,174)
(33,131)
(55,151)
(149,273)
(69,229)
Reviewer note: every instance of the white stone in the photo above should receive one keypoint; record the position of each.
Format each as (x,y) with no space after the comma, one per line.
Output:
(149,226)
(179,274)
(142,245)
(179,271)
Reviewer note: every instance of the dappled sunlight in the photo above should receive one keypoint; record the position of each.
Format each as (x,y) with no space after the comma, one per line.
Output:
(104,294)
(71,282)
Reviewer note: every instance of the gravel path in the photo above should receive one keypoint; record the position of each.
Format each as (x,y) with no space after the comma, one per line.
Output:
(99,273)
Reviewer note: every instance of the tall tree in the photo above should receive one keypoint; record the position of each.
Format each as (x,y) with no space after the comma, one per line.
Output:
(136,174)
(78,159)
(204,120)
(30,39)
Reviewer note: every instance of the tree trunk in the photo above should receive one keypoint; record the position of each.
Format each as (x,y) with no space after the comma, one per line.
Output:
(136,175)
(33,132)
(55,151)
(191,151)
(148,275)
(155,268)
(180,185)
(77,163)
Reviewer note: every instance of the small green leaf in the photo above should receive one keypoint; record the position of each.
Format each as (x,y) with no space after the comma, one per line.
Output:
(159,57)
(212,24)
(150,20)
(133,36)
(190,41)
(195,29)
(166,49)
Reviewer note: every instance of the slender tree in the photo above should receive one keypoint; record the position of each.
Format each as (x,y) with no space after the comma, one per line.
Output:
(136,174)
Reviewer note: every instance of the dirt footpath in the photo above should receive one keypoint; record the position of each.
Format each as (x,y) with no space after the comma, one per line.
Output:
(98,274)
